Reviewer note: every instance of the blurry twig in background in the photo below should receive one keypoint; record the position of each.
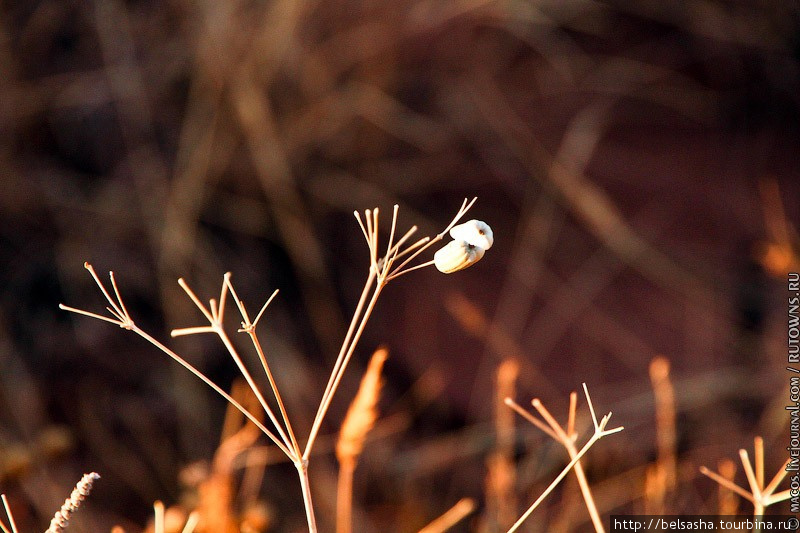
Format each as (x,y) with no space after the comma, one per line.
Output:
(662,475)
(727,499)
(760,496)
(780,253)
(501,475)
(563,173)
(167,522)
(456,513)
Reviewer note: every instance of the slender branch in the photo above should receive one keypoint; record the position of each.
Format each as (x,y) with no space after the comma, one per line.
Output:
(327,401)
(751,477)
(256,390)
(302,470)
(214,387)
(9,515)
(530,418)
(565,439)
(346,343)
(250,328)
(727,484)
(773,484)
(595,437)
(451,517)
(158,517)
(191,522)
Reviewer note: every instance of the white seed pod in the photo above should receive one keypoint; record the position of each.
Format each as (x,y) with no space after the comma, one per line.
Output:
(475,232)
(457,255)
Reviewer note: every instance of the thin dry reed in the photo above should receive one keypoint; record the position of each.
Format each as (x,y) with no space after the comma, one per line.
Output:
(728,501)
(501,476)
(360,419)
(71,504)
(662,476)
(450,518)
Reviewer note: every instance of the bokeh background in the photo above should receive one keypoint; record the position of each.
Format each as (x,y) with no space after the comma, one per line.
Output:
(637,160)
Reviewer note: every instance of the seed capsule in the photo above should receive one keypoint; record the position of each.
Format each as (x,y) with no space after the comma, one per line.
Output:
(457,255)
(475,232)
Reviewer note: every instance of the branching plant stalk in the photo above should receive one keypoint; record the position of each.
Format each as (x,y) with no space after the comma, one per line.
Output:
(557,433)
(382,270)
(305,486)
(595,437)
(325,404)
(568,442)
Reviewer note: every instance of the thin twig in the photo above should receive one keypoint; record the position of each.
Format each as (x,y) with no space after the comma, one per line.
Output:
(9,515)
(450,518)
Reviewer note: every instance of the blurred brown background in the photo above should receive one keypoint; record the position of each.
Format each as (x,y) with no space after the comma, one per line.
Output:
(637,160)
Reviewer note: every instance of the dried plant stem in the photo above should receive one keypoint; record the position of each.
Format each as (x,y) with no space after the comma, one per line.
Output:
(257,345)
(191,522)
(450,518)
(382,270)
(501,469)
(71,504)
(215,315)
(599,432)
(760,496)
(158,517)
(305,486)
(662,476)
(567,441)
(10,517)
(123,320)
(344,496)
(213,386)
(755,488)
(339,368)
(250,328)
(728,484)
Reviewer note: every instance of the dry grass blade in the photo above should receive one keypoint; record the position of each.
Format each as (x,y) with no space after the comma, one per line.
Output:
(501,475)
(362,413)
(358,422)
(663,475)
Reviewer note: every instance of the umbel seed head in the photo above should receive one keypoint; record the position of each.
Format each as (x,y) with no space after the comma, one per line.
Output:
(474,232)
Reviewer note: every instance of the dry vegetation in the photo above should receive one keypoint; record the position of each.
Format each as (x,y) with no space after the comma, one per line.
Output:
(636,160)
